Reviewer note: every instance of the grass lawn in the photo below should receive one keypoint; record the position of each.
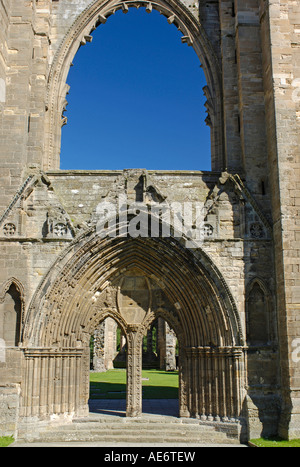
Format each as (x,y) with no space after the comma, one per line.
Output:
(6,441)
(157,384)
(276,443)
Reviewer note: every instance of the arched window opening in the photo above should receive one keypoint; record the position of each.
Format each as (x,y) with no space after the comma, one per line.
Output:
(136,99)
(10,317)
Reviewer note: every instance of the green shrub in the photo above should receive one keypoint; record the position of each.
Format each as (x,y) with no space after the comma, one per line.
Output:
(6,441)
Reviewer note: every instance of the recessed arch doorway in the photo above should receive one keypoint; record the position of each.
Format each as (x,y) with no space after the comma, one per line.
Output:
(161,382)
(160,365)
(94,279)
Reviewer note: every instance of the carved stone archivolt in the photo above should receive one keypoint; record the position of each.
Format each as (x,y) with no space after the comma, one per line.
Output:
(126,279)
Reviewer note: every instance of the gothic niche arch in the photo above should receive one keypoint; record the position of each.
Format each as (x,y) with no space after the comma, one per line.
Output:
(11,312)
(80,33)
(83,288)
(258,328)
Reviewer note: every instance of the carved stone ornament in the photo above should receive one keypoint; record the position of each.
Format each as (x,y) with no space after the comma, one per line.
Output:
(57,223)
(207,230)
(9,229)
(257,230)
(60,230)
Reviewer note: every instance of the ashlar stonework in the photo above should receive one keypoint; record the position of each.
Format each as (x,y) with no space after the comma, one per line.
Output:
(231,295)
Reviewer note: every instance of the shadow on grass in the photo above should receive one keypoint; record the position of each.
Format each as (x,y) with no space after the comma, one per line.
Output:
(105,390)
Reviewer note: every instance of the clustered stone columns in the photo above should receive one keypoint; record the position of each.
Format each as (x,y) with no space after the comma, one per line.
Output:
(53,383)
(213,383)
(210,382)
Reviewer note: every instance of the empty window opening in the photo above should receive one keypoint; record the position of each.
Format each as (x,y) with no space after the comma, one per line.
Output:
(136,99)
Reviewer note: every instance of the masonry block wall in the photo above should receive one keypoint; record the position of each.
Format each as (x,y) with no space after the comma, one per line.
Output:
(249,51)
(280,29)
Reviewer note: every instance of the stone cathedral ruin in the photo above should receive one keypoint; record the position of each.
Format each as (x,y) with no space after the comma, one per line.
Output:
(215,255)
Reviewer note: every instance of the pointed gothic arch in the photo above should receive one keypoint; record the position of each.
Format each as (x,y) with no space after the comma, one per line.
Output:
(258,313)
(80,33)
(90,263)
(11,311)
(187,290)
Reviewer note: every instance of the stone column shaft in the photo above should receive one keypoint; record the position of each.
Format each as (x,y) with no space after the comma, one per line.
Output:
(134,376)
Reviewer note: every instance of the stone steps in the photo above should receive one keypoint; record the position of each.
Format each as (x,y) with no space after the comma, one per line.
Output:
(137,431)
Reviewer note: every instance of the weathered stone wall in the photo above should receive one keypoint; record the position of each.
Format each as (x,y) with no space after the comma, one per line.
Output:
(4,22)
(250,54)
(71,199)
(238,239)
(33,52)
(9,413)
(280,39)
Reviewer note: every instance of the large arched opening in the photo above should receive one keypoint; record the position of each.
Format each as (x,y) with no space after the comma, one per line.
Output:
(136,99)
(81,32)
(160,363)
(87,285)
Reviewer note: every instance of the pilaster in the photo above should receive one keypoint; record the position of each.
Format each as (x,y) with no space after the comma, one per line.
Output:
(281,57)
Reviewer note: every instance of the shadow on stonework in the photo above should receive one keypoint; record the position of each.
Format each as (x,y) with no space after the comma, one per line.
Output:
(117,407)
(112,407)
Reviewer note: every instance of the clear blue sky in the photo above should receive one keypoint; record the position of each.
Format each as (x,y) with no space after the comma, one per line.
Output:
(136,99)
